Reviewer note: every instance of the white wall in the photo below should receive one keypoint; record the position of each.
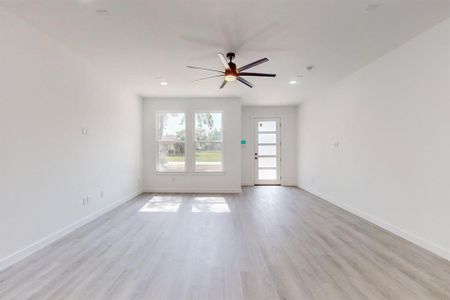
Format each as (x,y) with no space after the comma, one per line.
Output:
(228,181)
(47,166)
(392,122)
(288,116)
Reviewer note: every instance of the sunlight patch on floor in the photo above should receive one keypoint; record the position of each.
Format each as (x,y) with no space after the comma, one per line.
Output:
(162,204)
(210,205)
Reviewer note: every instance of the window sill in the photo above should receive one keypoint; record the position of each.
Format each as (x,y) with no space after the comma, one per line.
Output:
(221,173)
(213,173)
(172,173)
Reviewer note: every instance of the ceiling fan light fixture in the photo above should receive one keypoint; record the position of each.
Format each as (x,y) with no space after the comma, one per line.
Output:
(230,77)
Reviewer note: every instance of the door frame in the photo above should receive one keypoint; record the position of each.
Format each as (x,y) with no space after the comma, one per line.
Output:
(255,151)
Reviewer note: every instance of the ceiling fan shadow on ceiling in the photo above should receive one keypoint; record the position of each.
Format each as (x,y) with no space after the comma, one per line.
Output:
(233,73)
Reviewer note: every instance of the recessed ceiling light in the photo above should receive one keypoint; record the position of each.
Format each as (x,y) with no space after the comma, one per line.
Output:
(102,12)
(373,7)
(309,68)
(293,82)
(163,83)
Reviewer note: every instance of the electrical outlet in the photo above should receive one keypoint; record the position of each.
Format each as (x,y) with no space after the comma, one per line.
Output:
(101,194)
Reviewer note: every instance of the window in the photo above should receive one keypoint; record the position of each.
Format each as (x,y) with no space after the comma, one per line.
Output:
(208,142)
(171,136)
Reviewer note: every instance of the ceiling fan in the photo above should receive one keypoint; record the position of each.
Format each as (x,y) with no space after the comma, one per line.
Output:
(232,73)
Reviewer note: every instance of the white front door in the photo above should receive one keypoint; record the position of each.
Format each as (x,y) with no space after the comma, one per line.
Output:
(267,151)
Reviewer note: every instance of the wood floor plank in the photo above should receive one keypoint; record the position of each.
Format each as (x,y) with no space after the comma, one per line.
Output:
(265,243)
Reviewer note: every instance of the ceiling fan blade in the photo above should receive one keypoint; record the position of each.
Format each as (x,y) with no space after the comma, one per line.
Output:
(205,69)
(247,83)
(207,78)
(223,84)
(253,64)
(223,60)
(257,74)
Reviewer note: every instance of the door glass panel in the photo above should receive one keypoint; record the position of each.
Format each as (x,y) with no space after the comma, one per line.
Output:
(267,174)
(267,138)
(267,150)
(267,162)
(267,126)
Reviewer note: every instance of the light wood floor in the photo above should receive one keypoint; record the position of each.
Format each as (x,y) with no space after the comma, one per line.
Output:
(266,243)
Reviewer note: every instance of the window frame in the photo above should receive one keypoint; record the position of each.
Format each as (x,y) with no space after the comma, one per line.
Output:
(193,144)
(190,144)
(157,141)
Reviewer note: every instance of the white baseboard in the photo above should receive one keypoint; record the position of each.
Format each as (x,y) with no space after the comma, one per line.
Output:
(430,246)
(30,249)
(193,190)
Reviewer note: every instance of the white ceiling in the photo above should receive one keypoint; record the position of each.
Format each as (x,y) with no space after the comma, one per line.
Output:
(144,42)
